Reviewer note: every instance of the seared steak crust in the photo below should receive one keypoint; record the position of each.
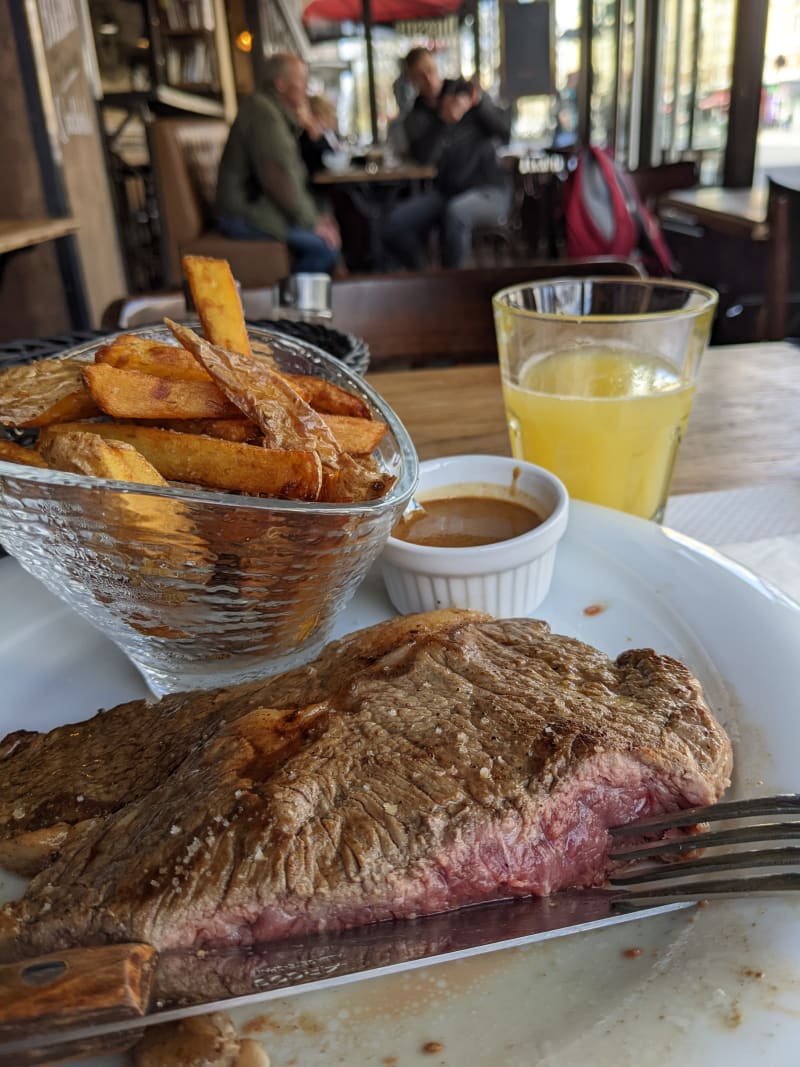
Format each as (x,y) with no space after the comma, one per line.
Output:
(420,765)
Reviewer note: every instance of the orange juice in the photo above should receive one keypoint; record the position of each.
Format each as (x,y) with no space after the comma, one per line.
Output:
(607,422)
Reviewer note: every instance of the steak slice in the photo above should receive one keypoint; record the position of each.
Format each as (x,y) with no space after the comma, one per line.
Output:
(420,765)
(51,784)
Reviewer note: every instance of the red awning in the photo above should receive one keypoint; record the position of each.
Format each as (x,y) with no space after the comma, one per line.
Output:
(719,98)
(382,10)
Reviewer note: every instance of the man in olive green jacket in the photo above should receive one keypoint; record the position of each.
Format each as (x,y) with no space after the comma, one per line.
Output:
(262,184)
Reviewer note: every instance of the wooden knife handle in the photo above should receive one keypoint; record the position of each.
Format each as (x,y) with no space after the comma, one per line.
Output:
(79,986)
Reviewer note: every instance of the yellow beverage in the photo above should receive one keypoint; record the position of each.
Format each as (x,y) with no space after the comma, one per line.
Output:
(607,422)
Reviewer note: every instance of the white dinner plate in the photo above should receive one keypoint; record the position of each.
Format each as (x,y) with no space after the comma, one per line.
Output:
(714,985)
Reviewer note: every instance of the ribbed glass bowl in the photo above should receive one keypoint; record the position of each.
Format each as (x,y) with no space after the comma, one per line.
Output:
(204,589)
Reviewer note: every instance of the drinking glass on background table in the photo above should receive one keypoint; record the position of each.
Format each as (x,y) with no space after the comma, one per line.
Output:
(598,381)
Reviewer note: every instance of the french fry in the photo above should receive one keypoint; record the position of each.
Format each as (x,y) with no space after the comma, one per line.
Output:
(89,453)
(327,397)
(218,303)
(228,429)
(264,396)
(131,394)
(14,453)
(158,533)
(129,352)
(358,479)
(37,394)
(211,462)
(358,437)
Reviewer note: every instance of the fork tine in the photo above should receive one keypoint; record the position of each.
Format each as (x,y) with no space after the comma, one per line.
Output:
(686,881)
(732,861)
(781,804)
(740,835)
(630,900)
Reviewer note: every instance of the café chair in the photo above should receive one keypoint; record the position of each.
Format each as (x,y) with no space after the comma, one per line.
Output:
(783,272)
(406,319)
(421,318)
(535,224)
(501,243)
(763,302)
(652,183)
(185,153)
(143,309)
(150,309)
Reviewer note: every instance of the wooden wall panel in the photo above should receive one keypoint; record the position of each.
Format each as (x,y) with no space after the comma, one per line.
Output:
(32,300)
(78,142)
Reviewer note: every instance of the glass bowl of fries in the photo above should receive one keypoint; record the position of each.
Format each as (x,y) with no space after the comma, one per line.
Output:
(233,560)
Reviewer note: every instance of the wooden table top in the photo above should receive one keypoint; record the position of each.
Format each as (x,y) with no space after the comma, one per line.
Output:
(739,212)
(744,429)
(22,233)
(406,172)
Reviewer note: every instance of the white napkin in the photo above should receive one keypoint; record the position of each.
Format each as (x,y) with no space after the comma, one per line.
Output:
(758,527)
(777,559)
(734,516)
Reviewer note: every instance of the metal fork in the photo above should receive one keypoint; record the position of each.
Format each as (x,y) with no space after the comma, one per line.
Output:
(687,879)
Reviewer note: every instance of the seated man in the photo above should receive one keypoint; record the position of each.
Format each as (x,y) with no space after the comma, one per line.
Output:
(262,184)
(459,136)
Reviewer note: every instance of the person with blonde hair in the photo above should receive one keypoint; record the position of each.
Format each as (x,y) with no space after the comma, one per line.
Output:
(319,134)
(323,112)
(262,186)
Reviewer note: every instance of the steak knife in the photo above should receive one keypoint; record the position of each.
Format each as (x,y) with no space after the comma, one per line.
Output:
(86,1000)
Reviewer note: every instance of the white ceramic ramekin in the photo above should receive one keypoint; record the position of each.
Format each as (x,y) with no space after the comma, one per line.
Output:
(507,579)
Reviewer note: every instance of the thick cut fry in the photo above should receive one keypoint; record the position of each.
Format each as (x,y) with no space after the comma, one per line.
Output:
(13,453)
(358,479)
(88,453)
(228,429)
(158,532)
(264,396)
(37,394)
(218,303)
(328,398)
(217,464)
(356,436)
(130,394)
(129,352)
(359,437)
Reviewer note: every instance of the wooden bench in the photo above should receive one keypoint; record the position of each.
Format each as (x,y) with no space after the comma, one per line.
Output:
(186,154)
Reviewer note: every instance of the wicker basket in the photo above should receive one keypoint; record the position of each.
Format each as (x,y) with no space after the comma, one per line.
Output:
(350,350)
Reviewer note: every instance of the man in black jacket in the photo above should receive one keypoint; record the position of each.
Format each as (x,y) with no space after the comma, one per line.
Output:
(457,131)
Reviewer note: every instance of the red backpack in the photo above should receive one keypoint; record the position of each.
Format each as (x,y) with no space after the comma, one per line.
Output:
(605,216)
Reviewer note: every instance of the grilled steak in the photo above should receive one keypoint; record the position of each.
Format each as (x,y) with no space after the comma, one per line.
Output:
(423,764)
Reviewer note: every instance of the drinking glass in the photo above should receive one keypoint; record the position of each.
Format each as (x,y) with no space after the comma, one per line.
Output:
(598,381)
